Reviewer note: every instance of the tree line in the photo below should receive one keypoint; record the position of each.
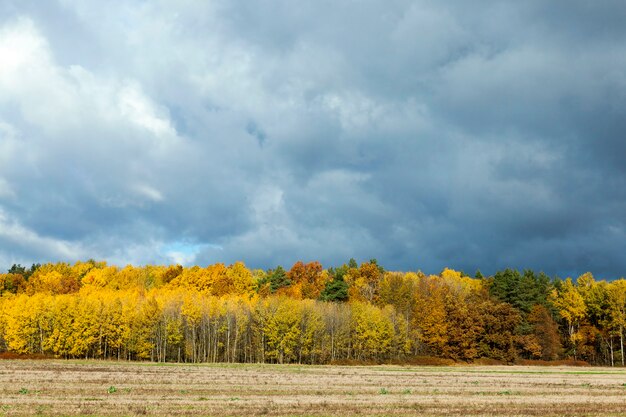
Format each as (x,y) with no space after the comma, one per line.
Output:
(307,314)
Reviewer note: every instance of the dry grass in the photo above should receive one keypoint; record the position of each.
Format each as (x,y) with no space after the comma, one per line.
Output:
(128,389)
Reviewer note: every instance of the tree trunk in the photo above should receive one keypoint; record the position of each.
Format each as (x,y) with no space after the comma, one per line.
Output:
(621,340)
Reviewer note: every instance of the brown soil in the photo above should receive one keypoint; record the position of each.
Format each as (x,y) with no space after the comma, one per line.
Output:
(54,388)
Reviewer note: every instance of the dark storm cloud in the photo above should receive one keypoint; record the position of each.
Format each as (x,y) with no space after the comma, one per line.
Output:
(426,134)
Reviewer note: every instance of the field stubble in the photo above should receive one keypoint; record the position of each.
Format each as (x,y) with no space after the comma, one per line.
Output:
(57,388)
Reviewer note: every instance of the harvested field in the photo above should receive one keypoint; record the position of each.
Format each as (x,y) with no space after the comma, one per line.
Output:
(50,387)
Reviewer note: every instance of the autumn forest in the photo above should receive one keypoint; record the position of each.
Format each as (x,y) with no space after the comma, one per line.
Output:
(308,314)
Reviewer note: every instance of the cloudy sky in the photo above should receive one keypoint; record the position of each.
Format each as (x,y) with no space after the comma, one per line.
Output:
(426,134)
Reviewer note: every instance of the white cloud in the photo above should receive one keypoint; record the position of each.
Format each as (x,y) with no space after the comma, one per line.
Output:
(137,108)
(19,47)
(148,192)
(17,240)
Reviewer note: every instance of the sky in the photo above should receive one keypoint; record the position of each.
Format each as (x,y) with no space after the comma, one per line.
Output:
(426,134)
